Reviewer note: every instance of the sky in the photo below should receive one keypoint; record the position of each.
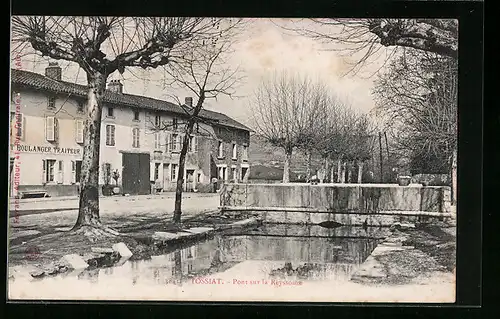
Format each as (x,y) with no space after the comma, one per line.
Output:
(263,47)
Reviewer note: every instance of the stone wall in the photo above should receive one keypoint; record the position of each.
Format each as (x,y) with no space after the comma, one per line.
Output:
(355,198)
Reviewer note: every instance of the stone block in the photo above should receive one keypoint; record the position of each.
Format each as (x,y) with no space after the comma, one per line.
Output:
(275,217)
(432,199)
(122,249)
(296,196)
(73,261)
(316,218)
(297,217)
(159,235)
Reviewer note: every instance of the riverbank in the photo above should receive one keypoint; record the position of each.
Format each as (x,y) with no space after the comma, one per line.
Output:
(412,254)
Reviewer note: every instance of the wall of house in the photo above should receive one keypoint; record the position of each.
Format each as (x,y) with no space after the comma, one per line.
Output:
(34,147)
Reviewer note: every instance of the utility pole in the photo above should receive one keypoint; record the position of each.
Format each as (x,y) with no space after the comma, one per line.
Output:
(381,157)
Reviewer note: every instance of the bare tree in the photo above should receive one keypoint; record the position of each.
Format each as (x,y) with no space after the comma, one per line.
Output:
(100,46)
(205,74)
(418,95)
(284,113)
(365,38)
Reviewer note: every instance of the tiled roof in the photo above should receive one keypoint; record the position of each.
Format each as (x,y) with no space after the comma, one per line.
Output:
(41,82)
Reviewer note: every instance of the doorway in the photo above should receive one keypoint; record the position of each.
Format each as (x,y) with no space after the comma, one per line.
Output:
(189,180)
(135,174)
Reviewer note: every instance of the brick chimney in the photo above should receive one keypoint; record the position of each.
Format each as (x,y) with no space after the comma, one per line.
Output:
(188,101)
(53,71)
(115,86)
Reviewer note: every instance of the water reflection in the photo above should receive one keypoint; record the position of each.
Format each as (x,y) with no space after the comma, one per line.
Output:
(273,252)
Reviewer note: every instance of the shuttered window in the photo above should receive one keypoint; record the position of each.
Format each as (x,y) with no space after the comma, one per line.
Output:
(157,140)
(60,172)
(135,137)
(79,130)
(49,167)
(175,142)
(50,128)
(192,144)
(110,135)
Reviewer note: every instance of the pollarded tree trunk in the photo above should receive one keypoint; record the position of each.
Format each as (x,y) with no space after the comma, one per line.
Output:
(286,167)
(308,165)
(339,171)
(88,213)
(332,174)
(326,169)
(342,173)
(349,172)
(360,172)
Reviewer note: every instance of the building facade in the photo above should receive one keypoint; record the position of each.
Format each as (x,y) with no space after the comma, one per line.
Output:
(141,140)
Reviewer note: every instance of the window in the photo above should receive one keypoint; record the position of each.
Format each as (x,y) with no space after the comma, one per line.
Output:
(79,131)
(136,115)
(79,107)
(173,172)
(157,121)
(60,172)
(51,103)
(175,124)
(174,142)
(76,171)
(244,156)
(244,171)
(135,137)
(157,171)
(111,112)
(235,154)
(110,135)
(220,149)
(223,173)
(50,128)
(198,178)
(48,171)
(192,144)
(157,140)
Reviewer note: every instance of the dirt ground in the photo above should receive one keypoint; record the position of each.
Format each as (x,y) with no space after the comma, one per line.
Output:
(427,252)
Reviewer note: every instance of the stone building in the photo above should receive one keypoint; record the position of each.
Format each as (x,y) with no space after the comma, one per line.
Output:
(140,139)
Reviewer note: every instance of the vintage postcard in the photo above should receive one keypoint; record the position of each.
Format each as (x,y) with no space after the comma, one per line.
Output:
(229,159)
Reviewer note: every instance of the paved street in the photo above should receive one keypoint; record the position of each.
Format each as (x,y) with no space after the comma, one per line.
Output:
(116,212)
(44,205)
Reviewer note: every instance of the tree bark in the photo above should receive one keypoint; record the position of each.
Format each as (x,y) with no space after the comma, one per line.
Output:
(349,172)
(286,168)
(326,169)
(454,178)
(339,171)
(360,172)
(88,211)
(342,173)
(332,174)
(308,165)
(182,161)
